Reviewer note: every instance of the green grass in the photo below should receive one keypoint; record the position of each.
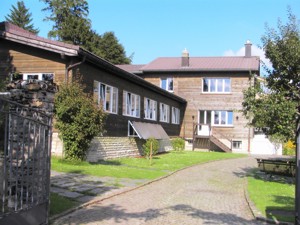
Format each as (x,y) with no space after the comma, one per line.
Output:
(140,168)
(59,204)
(271,197)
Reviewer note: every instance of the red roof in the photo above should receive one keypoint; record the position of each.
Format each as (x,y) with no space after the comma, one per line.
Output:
(15,33)
(237,63)
(131,68)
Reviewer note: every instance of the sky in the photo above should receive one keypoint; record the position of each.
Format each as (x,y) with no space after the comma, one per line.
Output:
(148,29)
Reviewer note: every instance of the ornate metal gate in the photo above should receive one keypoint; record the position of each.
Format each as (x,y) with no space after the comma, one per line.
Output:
(25,147)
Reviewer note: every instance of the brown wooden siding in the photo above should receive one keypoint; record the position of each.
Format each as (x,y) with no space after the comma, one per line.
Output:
(117,125)
(26,59)
(189,87)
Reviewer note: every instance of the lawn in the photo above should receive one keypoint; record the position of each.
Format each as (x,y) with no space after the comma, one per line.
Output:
(275,199)
(59,204)
(140,168)
(134,168)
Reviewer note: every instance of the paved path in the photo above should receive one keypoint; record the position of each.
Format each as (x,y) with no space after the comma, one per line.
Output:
(211,193)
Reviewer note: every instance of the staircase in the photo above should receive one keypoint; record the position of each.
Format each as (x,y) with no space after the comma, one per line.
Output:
(214,137)
(219,143)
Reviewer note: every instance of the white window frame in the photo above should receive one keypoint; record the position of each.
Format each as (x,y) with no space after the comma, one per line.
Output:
(132,104)
(164,115)
(168,80)
(150,108)
(220,114)
(41,76)
(216,82)
(106,96)
(239,143)
(175,115)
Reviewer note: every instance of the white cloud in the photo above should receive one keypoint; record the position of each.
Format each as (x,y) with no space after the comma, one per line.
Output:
(255,51)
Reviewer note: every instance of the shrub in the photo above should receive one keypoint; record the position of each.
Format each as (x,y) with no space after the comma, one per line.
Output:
(147,147)
(178,144)
(289,148)
(78,119)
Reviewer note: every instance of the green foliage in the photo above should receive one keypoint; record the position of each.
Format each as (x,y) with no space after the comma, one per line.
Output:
(272,111)
(21,17)
(78,120)
(282,47)
(289,148)
(147,147)
(71,25)
(111,50)
(279,109)
(178,144)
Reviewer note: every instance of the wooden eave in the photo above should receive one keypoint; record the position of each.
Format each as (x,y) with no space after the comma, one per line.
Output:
(38,43)
(126,75)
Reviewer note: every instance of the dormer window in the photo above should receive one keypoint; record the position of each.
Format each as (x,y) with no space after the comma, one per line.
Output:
(167,84)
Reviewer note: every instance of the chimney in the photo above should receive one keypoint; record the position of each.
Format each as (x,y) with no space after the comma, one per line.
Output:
(185,58)
(248,49)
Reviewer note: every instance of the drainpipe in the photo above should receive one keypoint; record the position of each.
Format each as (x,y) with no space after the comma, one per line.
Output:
(71,67)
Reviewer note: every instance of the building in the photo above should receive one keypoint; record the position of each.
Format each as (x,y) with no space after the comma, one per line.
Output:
(133,104)
(213,88)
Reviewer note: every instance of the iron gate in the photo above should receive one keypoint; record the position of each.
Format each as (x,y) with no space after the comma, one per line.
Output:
(25,147)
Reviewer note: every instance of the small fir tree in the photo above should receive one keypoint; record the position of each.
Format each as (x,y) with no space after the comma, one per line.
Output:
(21,17)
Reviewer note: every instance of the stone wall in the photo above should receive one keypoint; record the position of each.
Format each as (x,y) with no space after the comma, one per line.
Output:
(112,147)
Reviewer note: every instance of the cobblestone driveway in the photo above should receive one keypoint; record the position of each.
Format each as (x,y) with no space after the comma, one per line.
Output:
(211,193)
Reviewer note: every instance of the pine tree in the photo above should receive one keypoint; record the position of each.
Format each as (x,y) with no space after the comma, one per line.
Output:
(21,17)
(71,25)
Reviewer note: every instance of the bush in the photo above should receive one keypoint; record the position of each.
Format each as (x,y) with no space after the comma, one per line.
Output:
(178,144)
(78,120)
(289,148)
(147,147)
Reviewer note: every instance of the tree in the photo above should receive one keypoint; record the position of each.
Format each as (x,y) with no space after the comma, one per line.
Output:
(271,112)
(21,17)
(278,109)
(112,50)
(282,47)
(78,119)
(71,25)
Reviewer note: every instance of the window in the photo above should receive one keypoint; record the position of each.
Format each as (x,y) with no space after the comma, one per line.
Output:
(216,85)
(237,144)
(106,96)
(164,113)
(222,118)
(132,104)
(167,84)
(205,117)
(150,107)
(175,115)
(34,76)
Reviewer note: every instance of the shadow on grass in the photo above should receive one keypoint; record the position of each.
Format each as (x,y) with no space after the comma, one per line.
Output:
(106,162)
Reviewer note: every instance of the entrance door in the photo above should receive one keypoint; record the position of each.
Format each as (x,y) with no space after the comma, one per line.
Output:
(204,122)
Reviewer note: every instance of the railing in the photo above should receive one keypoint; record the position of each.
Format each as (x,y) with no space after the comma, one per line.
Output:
(225,140)
(211,132)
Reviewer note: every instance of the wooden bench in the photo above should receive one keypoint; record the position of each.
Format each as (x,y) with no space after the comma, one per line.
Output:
(286,167)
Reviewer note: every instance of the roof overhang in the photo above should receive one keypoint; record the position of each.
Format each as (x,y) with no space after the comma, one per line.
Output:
(149,130)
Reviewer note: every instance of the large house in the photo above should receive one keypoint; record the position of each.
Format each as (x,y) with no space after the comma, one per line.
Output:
(213,88)
(135,107)
(196,98)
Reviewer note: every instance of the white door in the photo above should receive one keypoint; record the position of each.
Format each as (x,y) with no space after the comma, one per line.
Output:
(204,122)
